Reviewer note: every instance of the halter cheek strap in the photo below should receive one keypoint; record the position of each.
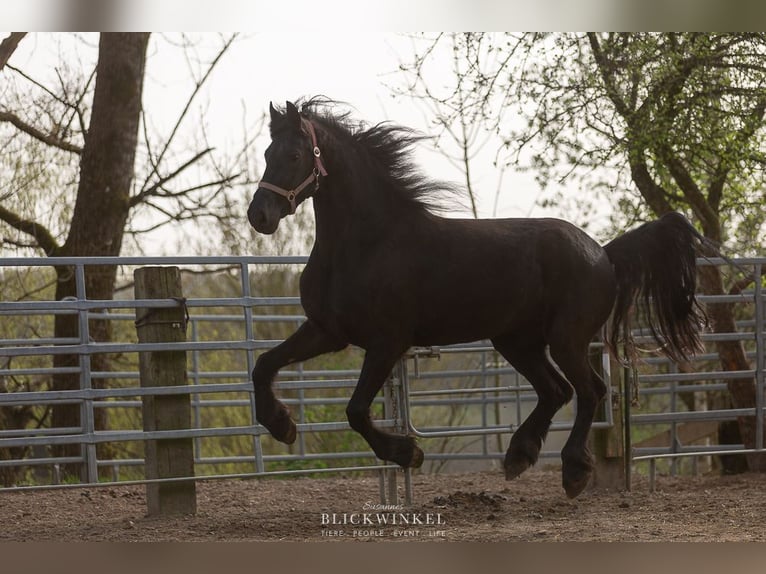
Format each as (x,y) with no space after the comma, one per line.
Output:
(318,166)
(292,194)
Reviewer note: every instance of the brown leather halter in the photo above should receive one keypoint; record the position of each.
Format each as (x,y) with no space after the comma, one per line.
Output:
(290,194)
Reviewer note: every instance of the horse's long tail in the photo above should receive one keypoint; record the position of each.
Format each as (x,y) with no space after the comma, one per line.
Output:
(655,267)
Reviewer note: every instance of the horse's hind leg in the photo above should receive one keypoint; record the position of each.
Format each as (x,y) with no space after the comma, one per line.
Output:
(377,366)
(577,462)
(307,342)
(553,392)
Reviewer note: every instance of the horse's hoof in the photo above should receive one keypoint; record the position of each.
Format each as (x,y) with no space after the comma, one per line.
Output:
(574,486)
(518,459)
(417,458)
(283,428)
(292,434)
(576,472)
(514,468)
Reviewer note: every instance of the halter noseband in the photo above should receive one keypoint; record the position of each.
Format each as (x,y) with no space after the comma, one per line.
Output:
(290,194)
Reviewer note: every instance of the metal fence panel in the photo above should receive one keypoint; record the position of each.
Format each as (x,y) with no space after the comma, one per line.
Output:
(462,400)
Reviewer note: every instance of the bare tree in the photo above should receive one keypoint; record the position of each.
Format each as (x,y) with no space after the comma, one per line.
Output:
(84,134)
(452,109)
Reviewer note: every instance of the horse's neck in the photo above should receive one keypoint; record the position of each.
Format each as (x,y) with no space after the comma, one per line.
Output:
(349,216)
(338,220)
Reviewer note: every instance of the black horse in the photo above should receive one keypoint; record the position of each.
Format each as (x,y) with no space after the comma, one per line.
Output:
(387,273)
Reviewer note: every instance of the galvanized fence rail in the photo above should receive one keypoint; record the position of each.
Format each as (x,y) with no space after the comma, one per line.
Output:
(90,398)
(661,378)
(462,401)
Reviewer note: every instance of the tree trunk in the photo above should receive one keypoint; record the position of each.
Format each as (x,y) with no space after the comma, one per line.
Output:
(733,358)
(102,205)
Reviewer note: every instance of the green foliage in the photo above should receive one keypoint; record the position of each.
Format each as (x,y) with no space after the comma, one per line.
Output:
(18,284)
(639,122)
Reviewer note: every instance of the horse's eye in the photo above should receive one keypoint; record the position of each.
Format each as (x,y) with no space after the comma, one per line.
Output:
(295,156)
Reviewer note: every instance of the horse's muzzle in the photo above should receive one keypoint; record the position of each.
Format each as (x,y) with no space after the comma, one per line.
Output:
(265,212)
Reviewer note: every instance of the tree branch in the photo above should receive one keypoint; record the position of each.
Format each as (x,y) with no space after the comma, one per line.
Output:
(654,194)
(752,122)
(37,134)
(708,217)
(224,181)
(605,68)
(8,46)
(157,186)
(156,162)
(40,233)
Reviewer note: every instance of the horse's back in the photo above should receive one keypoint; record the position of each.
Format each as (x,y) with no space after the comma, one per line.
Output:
(545,249)
(486,277)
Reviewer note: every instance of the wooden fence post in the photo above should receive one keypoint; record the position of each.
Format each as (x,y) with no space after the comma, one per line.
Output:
(607,444)
(165,458)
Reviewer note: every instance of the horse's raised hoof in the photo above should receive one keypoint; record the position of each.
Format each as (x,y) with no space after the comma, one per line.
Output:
(282,427)
(417,458)
(291,434)
(404,452)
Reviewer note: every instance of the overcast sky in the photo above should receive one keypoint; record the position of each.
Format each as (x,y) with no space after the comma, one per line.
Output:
(358,68)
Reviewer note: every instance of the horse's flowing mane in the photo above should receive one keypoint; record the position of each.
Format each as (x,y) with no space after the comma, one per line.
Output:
(386,154)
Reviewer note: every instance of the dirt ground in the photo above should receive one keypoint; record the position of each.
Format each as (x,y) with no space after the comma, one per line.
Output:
(464,507)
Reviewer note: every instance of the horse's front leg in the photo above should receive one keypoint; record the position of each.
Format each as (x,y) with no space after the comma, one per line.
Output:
(396,448)
(307,342)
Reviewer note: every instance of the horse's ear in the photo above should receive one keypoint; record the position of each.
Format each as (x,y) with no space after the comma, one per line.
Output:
(293,115)
(275,115)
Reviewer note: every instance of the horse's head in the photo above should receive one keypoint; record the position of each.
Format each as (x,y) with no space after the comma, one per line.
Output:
(293,169)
